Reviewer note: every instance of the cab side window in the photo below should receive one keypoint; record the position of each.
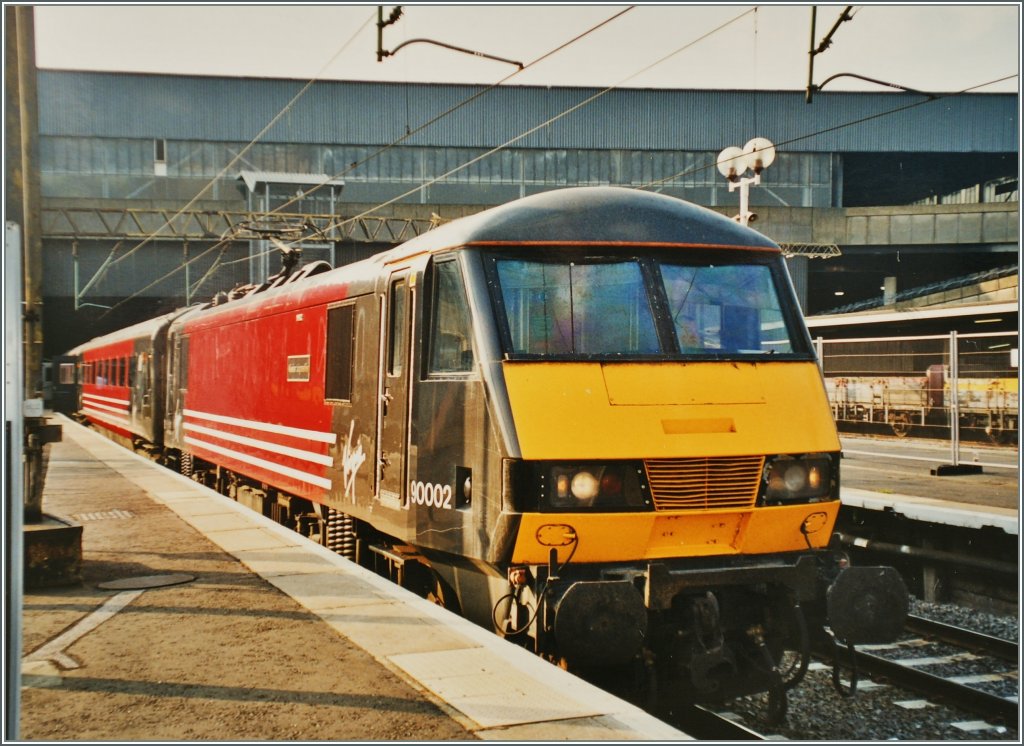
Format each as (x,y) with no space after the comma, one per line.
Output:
(451,329)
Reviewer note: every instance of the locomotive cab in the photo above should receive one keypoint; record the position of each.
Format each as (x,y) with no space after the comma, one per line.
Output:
(670,470)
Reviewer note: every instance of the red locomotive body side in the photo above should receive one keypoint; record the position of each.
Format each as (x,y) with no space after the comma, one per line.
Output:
(106,394)
(253,399)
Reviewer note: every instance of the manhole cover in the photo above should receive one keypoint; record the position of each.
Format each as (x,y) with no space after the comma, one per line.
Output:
(146,581)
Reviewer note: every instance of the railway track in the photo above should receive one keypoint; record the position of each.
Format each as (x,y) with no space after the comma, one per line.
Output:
(938,682)
(965,638)
(959,690)
(706,725)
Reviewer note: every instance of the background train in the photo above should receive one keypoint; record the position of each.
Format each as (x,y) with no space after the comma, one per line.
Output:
(590,419)
(987,408)
(896,370)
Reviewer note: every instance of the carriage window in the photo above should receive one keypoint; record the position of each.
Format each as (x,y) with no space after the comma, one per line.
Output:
(67,372)
(727,308)
(577,308)
(451,346)
(340,358)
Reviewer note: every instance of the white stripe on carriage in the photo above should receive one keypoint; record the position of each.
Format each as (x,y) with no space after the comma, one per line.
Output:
(315,458)
(105,408)
(125,402)
(263,463)
(104,417)
(297,432)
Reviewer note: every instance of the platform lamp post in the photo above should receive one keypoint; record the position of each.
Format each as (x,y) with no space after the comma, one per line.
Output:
(734,162)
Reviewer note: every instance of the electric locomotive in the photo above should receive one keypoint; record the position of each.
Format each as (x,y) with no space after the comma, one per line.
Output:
(591,419)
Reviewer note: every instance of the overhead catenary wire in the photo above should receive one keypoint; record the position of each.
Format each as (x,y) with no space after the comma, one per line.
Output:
(451,110)
(572,109)
(931,97)
(238,156)
(557,117)
(687,172)
(353,166)
(287,107)
(535,128)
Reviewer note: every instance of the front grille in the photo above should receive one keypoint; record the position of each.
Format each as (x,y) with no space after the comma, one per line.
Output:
(704,483)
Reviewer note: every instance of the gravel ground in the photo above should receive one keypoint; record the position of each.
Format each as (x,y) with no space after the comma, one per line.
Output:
(1006,627)
(817,712)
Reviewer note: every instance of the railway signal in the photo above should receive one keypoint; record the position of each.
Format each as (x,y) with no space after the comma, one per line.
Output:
(733,162)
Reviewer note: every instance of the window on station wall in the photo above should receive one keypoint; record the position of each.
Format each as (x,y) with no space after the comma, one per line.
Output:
(451,329)
(159,157)
(340,348)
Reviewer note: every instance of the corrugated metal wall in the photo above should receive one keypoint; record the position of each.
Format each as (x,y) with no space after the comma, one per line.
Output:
(116,105)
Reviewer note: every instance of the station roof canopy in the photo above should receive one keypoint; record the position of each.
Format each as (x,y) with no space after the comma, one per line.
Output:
(252,178)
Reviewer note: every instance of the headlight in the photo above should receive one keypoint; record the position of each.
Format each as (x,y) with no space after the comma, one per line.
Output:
(802,478)
(607,486)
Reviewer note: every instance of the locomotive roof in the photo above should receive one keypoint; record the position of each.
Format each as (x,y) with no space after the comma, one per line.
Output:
(141,330)
(577,216)
(591,215)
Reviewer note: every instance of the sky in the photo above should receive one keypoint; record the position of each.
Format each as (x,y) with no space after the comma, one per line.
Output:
(929,47)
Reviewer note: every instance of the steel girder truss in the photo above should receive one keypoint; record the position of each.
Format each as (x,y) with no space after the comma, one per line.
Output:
(152,224)
(811,250)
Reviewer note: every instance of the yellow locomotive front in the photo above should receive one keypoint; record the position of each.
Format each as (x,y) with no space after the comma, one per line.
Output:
(677,473)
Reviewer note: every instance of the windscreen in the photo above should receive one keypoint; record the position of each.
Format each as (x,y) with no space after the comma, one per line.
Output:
(616,307)
(730,308)
(575,308)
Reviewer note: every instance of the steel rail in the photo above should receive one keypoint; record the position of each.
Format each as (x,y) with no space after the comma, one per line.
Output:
(936,687)
(705,725)
(997,647)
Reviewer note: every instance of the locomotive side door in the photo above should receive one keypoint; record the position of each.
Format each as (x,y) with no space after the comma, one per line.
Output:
(176,388)
(394,393)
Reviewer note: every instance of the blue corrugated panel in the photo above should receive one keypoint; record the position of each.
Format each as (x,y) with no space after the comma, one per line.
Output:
(236,109)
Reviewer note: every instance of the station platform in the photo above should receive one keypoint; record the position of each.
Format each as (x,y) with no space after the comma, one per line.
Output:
(934,509)
(198,619)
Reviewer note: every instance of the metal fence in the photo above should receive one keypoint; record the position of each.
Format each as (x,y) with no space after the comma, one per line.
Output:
(961,389)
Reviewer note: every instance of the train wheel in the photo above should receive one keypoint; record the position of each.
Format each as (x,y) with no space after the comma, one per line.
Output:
(900,422)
